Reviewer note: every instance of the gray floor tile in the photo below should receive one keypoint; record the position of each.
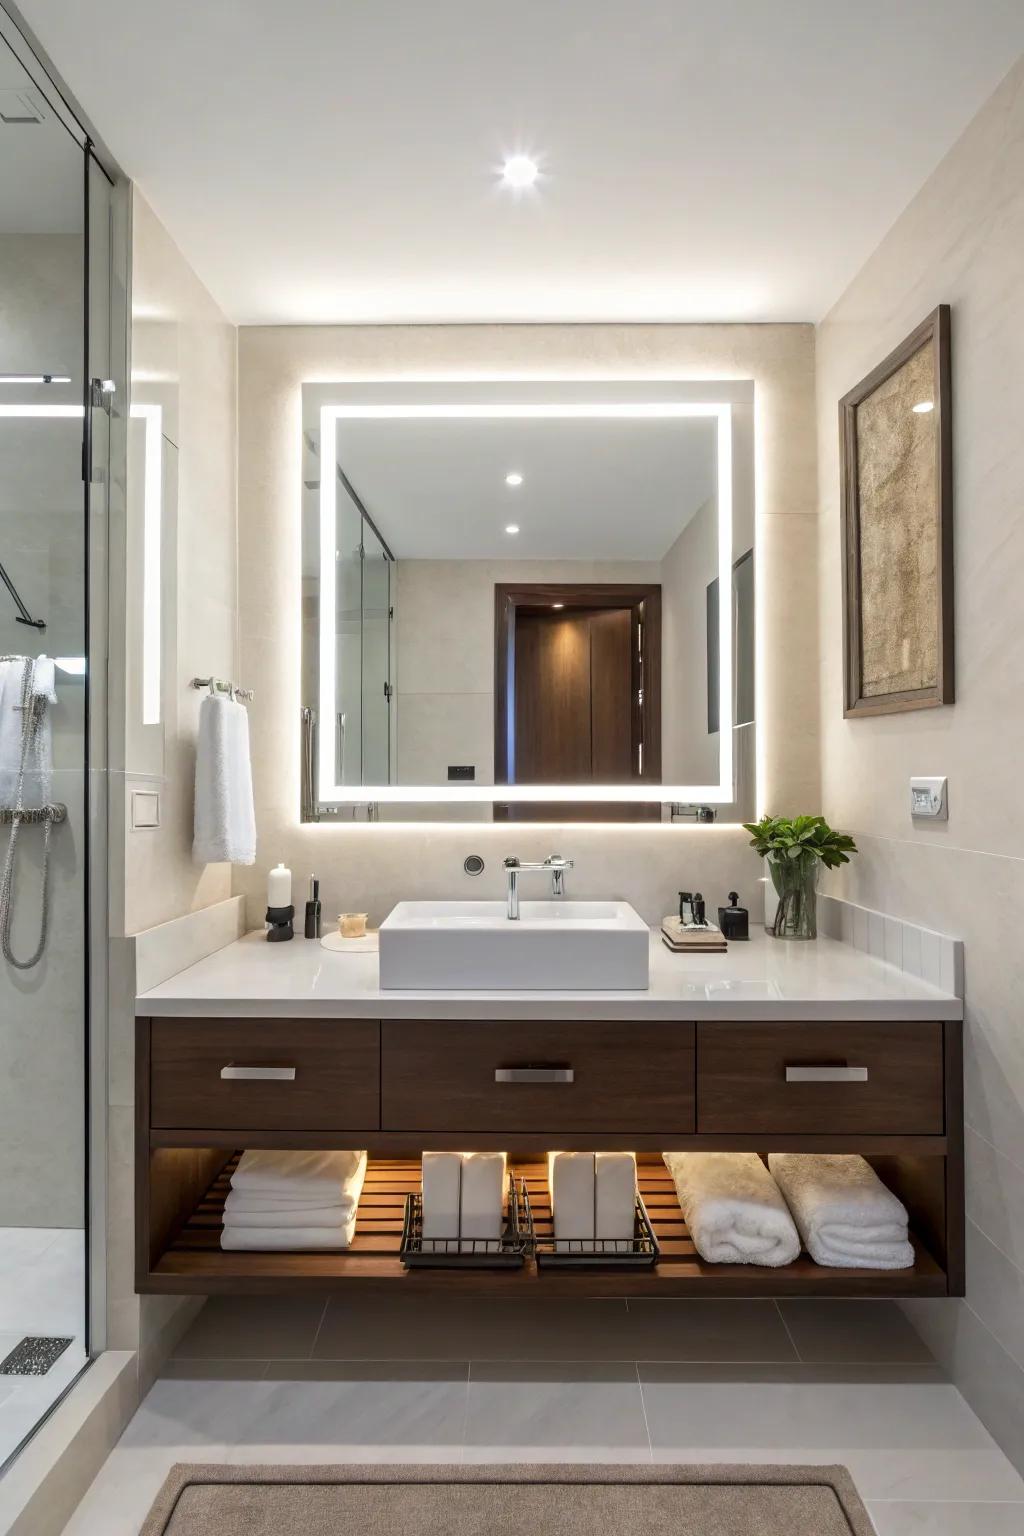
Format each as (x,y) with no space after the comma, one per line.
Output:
(551,1411)
(923,1519)
(253,1328)
(826,1331)
(707,1330)
(906,1441)
(473,1328)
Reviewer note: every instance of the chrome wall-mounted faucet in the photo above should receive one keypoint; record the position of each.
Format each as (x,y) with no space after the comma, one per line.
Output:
(554,865)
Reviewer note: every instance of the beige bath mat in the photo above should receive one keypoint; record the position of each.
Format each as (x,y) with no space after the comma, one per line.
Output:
(511,1500)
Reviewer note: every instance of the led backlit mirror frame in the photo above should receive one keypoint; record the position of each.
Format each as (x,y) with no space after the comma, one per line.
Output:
(396,401)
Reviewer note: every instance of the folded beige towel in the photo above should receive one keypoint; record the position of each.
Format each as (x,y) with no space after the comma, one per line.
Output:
(733,1208)
(846,1216)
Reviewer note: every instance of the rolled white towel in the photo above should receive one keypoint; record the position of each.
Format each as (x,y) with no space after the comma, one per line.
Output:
(615,1180)
(323,1177)
(482,1195)
(573,1192)
(846,1216)
(441,1176)
(733,1208)
(286,1239)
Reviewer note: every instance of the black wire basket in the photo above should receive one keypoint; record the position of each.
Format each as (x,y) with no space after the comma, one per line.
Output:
(509,1251)
(641,1251)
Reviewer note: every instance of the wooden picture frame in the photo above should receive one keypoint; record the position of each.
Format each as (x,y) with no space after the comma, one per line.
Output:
(896,456)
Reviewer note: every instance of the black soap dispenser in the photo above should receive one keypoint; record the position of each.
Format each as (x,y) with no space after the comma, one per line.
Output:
(734,920)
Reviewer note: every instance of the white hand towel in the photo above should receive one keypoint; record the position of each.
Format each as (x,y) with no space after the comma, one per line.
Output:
(328,1176)
(615,1178)
(225,821)
(286,1239)
(442,1185)
(573,1191)
(483,1195)
(733,1208)
(846,1216)
(307,1216)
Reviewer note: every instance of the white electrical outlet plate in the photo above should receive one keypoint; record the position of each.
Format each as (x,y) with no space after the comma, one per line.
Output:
(928,799)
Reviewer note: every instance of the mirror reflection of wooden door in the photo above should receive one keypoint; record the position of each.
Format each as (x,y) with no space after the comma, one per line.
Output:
(573,711)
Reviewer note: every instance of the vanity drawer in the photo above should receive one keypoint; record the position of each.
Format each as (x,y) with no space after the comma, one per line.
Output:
(814,1079)
(266,1074)
(522,1077)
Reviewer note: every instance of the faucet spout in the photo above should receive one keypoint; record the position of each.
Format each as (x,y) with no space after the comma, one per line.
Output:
(554,865)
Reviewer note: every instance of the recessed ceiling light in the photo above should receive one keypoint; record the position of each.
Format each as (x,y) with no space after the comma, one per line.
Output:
(923,407)
(511,527)
(519,171)
(558,605)
(515,478)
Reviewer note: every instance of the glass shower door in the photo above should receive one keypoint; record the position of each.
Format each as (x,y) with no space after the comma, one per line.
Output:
(43,753)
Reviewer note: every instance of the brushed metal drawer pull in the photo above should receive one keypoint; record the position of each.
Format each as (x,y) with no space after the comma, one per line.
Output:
(533,1074)
(826,1074)
(232,1073)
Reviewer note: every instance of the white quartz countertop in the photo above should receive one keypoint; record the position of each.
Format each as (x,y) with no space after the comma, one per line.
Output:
(761,978)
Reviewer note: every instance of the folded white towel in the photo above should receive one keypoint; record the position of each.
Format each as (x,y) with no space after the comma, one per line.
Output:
(483,1195)
(846,1216)
(441,1175)
(282,1216)
(243,1200)
(572,1189)
(225,821)
(323,1177)
(615,1199)
(286,1239)
(733,1208)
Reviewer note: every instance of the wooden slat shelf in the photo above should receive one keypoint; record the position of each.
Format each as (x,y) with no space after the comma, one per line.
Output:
(195,1262)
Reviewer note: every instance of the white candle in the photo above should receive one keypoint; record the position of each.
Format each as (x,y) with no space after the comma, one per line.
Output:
(279,887)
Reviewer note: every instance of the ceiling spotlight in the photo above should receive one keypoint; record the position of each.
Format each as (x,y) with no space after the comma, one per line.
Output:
(923,407)
(514,478)
(519,171)
(558,605)
(511,527)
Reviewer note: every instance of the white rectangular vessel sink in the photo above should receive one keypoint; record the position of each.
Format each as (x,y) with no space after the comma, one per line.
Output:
(567,946)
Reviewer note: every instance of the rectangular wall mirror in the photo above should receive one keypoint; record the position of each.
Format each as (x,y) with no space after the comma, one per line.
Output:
(512,601)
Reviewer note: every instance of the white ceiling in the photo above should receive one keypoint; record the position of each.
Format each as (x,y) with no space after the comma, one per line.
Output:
(704,159)
(592,490)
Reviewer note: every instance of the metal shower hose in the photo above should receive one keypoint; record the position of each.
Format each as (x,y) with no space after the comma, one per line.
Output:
(33,709)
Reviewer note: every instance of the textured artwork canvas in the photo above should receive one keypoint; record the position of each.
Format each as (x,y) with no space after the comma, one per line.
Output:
(898,528)
(898,544)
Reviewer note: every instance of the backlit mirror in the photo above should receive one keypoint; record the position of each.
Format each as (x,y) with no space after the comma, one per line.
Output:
(528,602)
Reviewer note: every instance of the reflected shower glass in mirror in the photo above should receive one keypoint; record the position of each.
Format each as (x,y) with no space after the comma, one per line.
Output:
(511,601)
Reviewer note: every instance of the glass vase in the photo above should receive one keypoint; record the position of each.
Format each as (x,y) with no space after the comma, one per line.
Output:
(796,885)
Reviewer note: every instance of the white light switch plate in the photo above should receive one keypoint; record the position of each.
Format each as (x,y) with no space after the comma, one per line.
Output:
(145,809)
(928,799)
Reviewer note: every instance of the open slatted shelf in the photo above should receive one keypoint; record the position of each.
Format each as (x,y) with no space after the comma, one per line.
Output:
(194,1260)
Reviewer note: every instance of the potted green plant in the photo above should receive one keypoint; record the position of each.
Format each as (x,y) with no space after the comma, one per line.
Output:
(795,850)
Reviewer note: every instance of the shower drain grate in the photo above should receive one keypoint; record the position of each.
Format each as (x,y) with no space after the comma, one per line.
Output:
(33,1356)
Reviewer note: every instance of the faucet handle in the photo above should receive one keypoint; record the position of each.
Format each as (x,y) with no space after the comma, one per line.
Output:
(558,860)
(511,863)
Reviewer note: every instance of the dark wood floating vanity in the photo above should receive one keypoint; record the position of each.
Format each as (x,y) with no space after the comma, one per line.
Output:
(398,1086)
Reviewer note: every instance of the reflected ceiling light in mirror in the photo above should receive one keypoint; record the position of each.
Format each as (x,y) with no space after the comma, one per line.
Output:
(333,793)
(152,524)
(35,378)
(519,172)
(923,407)
(515,478)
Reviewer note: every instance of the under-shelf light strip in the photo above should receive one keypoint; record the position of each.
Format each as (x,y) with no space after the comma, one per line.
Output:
(332,793)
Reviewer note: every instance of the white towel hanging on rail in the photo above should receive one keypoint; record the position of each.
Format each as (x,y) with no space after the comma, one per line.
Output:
(225,820)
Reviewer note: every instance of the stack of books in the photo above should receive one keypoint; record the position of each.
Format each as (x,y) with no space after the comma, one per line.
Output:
(684,938)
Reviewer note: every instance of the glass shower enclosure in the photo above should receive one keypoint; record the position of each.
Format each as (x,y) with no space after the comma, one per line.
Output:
(57,399)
